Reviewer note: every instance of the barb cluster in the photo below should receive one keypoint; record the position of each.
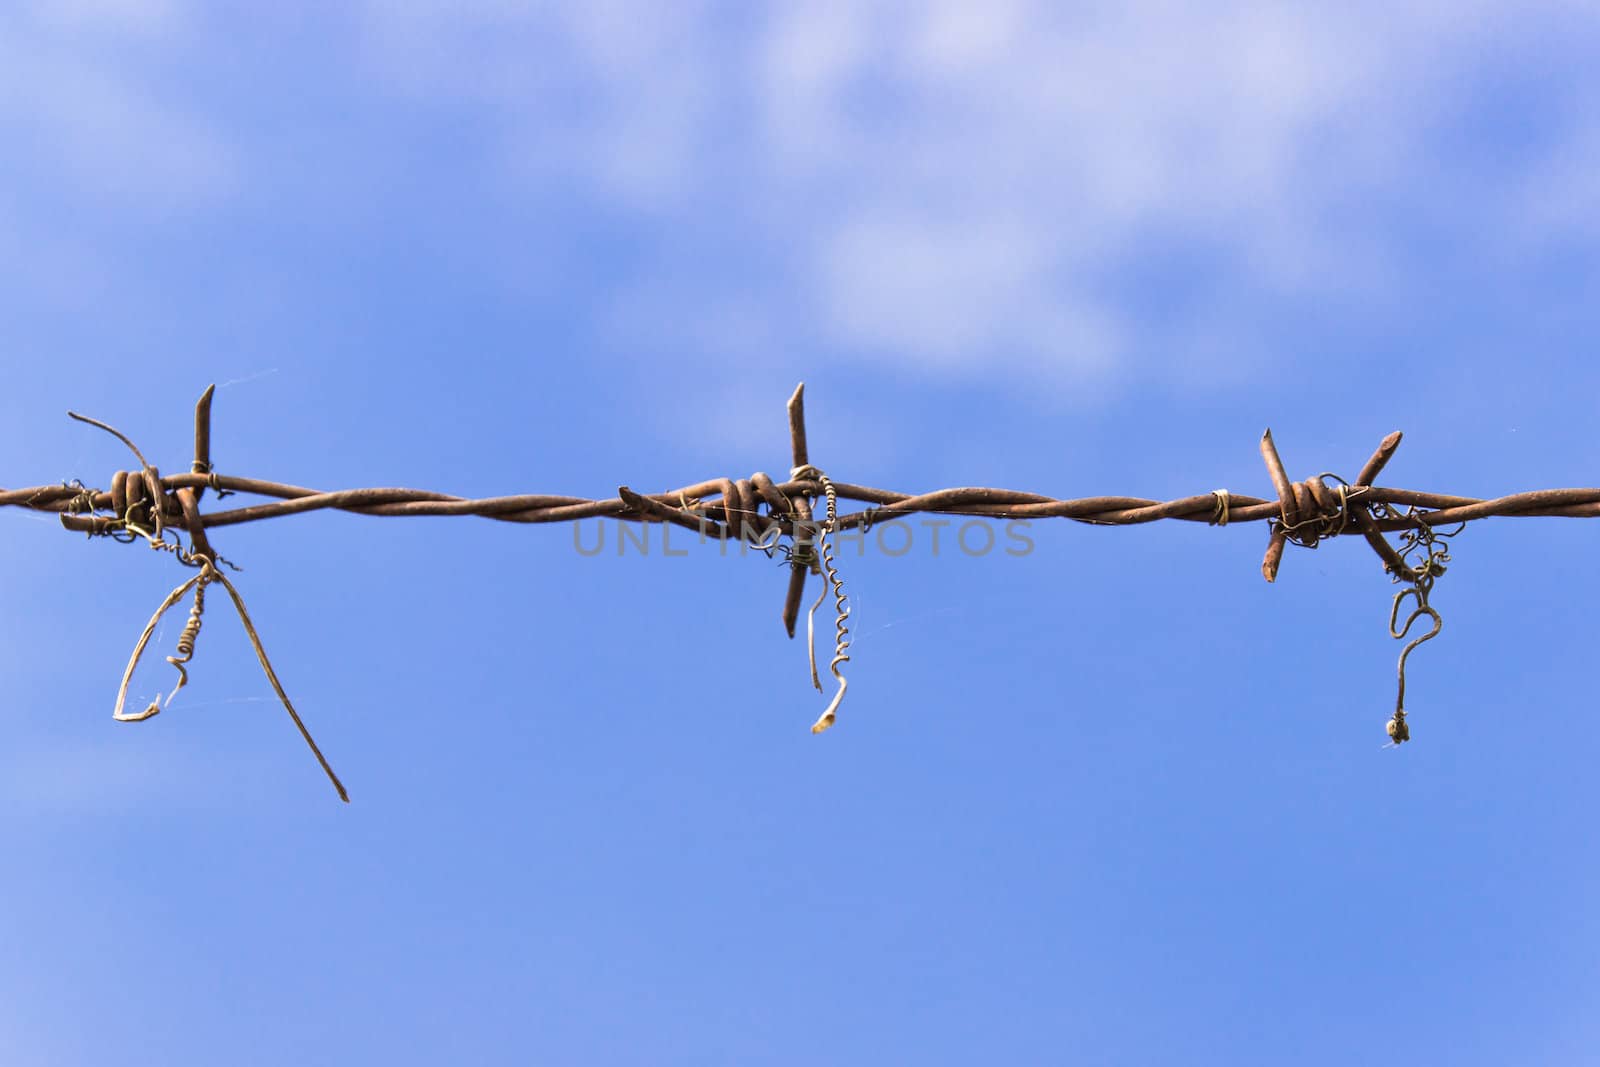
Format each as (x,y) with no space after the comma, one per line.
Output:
(144,505)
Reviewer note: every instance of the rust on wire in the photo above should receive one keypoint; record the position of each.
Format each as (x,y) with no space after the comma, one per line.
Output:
(129,518)
(796,590)
(886,504)
(142,504)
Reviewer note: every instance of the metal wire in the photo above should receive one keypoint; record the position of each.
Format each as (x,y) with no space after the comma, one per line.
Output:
(144,505)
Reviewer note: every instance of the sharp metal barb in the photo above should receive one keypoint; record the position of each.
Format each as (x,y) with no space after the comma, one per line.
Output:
(141,504)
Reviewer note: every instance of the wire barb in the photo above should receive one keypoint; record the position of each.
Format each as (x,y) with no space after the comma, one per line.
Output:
(143,505)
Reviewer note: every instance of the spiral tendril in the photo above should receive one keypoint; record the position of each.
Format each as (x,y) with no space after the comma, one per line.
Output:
(830,579)
(186,643)
(1425,550)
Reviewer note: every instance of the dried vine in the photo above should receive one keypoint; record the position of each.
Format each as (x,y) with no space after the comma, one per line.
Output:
(143,505)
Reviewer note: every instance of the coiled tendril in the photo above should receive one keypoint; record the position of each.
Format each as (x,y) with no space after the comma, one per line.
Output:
(830,578)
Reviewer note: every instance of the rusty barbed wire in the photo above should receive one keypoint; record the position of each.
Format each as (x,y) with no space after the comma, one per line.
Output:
(145,505)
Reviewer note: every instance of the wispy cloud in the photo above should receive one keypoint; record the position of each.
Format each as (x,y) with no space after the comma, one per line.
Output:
(1091,194)
(952,186)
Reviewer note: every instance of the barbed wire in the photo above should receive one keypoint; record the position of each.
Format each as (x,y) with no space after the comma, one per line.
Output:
(144,505)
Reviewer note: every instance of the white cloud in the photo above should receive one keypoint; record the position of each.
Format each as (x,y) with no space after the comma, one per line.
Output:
(935,293)
(939,183)
(953,185)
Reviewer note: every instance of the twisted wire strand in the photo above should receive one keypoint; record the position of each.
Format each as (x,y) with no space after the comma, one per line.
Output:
(140,504)
(1323,522)
(884,504)
(83,502)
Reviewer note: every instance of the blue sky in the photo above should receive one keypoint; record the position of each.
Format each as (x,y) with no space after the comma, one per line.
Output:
(1115,801)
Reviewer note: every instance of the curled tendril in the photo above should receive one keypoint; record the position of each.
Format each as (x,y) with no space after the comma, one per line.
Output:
(830,580)
(1425,551)
(209,573)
